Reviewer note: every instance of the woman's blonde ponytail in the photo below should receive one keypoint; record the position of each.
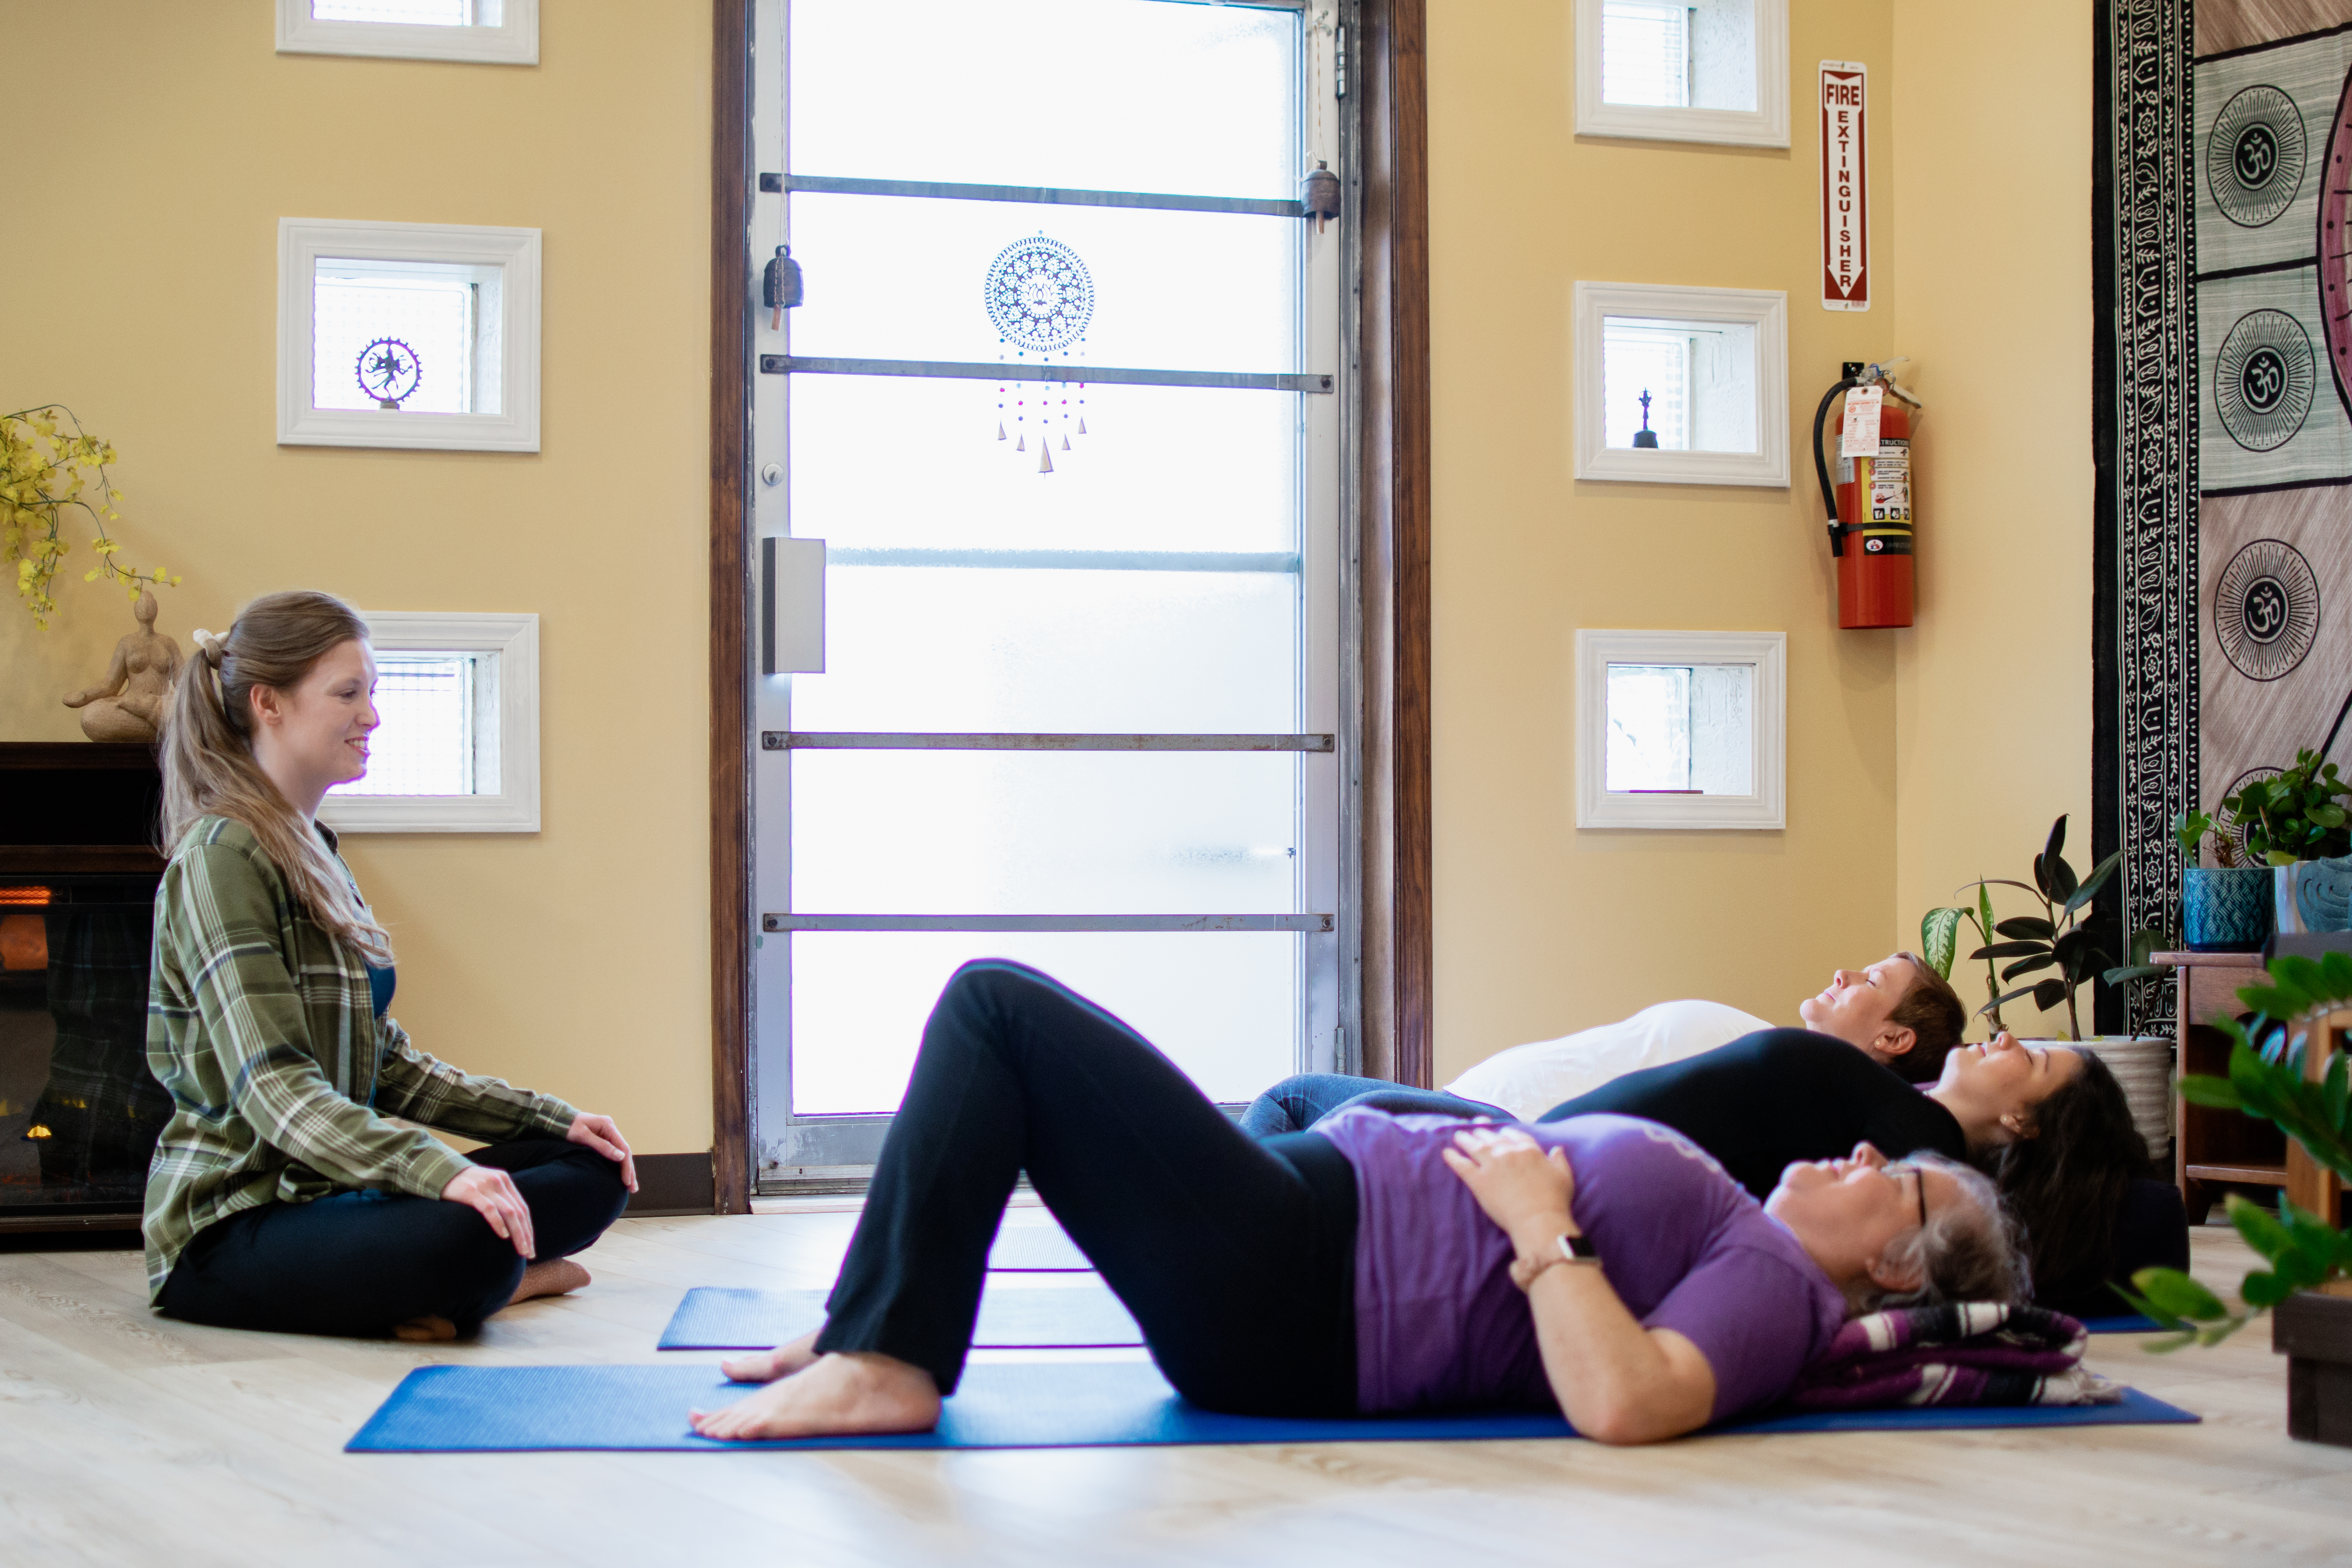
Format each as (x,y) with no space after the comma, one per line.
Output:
(206,748)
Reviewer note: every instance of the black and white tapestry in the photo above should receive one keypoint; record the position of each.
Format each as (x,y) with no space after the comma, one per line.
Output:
(2224,215)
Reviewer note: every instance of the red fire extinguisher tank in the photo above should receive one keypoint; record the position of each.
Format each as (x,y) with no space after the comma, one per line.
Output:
(1873,502)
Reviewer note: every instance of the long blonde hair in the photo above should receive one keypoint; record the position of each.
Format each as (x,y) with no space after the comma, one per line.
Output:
(207,751)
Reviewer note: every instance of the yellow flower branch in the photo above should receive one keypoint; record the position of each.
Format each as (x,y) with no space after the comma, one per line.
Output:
(42,472)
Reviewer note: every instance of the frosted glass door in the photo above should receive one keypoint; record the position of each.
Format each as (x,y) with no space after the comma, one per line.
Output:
(1078,706)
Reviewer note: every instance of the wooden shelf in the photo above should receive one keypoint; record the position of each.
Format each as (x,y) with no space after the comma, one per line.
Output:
(2264,1175)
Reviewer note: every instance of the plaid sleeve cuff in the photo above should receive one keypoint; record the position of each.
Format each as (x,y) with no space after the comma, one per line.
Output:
(549,1114)
(433,1167)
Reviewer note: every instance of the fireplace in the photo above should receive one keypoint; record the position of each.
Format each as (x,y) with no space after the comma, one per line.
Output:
(79,1111)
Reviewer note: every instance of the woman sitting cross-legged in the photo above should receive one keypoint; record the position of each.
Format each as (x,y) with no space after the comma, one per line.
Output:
(279,1196)
(1378,1263)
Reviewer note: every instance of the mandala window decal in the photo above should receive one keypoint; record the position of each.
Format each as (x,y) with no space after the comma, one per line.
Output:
(2254,157)
(1040,297)
(2266,609)
(2264,379)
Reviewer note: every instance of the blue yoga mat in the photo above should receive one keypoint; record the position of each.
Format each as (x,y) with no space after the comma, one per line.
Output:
(1071,1316)
(1068,1404)
(2122,1324)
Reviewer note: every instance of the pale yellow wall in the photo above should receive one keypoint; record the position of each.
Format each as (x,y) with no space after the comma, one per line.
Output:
(1991,198)
(1542,928)
(156,144)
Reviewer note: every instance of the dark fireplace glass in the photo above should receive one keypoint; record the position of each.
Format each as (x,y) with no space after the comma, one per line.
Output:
(80,1110)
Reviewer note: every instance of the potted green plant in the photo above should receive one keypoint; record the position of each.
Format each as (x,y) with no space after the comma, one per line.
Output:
(1939,940)
(2225,908)
(2308,1285)
(2289,817)
(44,471)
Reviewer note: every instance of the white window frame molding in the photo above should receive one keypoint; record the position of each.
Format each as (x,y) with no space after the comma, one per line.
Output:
(514,638)
(1765,310)
(1597,807)
(303,242)
(1766,125)
(514,42)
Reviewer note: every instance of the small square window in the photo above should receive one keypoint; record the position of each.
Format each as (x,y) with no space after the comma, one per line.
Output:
(457,747)
(407,335)
(1709,70)
(1681,730)
(1682,385)
(491,32)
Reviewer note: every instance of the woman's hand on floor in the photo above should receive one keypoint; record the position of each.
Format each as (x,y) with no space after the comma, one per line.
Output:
(600,1133)
(1520,1186)
(492,1193)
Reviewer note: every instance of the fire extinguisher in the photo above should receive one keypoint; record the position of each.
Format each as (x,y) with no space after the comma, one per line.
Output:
(1871,517)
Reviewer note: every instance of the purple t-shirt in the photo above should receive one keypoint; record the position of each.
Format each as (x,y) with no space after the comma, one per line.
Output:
(1439,1324)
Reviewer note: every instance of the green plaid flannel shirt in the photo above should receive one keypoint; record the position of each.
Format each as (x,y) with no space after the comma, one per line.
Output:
(261,1025)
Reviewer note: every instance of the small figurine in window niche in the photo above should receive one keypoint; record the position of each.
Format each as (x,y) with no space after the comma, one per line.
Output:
(127,705)
(1645,437)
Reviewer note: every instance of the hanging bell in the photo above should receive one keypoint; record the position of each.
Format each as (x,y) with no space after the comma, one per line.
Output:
(1320,196)
(780,289)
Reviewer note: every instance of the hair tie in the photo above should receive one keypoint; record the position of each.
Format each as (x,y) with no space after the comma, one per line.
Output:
(213,646)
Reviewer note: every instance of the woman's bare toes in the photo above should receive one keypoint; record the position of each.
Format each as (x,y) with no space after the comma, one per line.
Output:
(850,1393)
(553,1277)
(769,1366)
(426,1330)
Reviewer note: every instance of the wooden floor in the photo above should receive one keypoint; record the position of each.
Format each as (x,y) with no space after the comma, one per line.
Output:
(128,1439)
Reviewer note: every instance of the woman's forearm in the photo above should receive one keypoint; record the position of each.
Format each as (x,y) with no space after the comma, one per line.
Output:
(1616,1381)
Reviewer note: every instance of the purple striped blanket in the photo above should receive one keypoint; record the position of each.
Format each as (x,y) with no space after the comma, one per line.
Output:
(1966,1353)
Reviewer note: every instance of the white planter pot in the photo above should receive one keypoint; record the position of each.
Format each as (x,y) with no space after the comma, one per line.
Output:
(2143,1066)
(2289,919)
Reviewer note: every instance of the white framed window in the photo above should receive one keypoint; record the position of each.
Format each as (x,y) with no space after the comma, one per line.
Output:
(1714,363)
(1682,730)
(488,32)
(1704,70)
(402,335)
(457,750)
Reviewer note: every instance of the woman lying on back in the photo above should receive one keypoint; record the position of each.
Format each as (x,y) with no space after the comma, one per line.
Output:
(1378,1263)
(279,1196)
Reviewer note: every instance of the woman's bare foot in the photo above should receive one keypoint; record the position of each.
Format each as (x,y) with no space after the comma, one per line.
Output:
(553,1277)
(426,1330)
(840,1392)
(770,1365)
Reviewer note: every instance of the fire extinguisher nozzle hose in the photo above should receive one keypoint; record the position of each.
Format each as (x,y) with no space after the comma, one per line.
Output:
(1821,463)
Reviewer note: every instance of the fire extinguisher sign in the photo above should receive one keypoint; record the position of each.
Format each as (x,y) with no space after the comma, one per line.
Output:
(1845,190)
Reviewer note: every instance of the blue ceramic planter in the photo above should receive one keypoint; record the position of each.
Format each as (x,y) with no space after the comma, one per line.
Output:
(2227,910)
(2323,893)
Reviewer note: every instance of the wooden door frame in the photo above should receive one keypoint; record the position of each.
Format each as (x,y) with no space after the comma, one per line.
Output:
(1395,572)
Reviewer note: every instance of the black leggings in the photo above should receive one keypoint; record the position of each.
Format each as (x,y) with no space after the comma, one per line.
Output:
(1236,1257)
(360,1263)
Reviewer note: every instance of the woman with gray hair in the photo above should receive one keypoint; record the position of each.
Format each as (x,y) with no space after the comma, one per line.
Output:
(1605,1265)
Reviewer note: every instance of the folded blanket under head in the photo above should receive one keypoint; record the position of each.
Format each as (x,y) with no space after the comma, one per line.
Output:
(1966,1353)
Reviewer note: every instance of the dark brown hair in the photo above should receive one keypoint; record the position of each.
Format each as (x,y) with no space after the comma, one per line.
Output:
(207,751)
(2066,1183)
(1937,1018)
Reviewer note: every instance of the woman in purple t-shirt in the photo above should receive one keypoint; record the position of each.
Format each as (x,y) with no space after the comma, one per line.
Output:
(1380,1263)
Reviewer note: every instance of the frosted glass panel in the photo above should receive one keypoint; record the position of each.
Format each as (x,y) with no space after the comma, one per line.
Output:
(899,462)
(1130,95)
(424,742)
(890,278)
(1044,833)
(1681,728)
(1644,53)
(927,649)
(1223,1007)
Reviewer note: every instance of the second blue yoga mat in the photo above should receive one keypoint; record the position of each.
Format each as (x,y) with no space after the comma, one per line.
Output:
(1067,1317)
(1066,1404)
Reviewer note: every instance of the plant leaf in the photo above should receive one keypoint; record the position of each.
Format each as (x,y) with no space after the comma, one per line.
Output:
(2204,1088)
(1939,938)
(2028,965)
(2010,950)
(2027,926)
(2057,843)
(2177,1295)
(2092,883)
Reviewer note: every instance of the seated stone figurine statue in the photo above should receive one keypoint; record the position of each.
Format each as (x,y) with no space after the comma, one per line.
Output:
(127,705)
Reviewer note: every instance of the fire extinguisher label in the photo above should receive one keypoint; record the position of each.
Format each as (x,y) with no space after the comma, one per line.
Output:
(1890,483)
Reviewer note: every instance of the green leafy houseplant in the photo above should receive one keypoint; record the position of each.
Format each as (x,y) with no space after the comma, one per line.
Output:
(43,471)
(1939,940)
(2294,815)
(2190,828)
(2058,937)
(2267,1080)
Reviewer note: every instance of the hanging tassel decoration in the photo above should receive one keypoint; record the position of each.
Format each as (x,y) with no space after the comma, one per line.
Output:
(1000,429)
(1044,458)
(1082,424)
(1066,440)
(781,288)
(1022,445)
